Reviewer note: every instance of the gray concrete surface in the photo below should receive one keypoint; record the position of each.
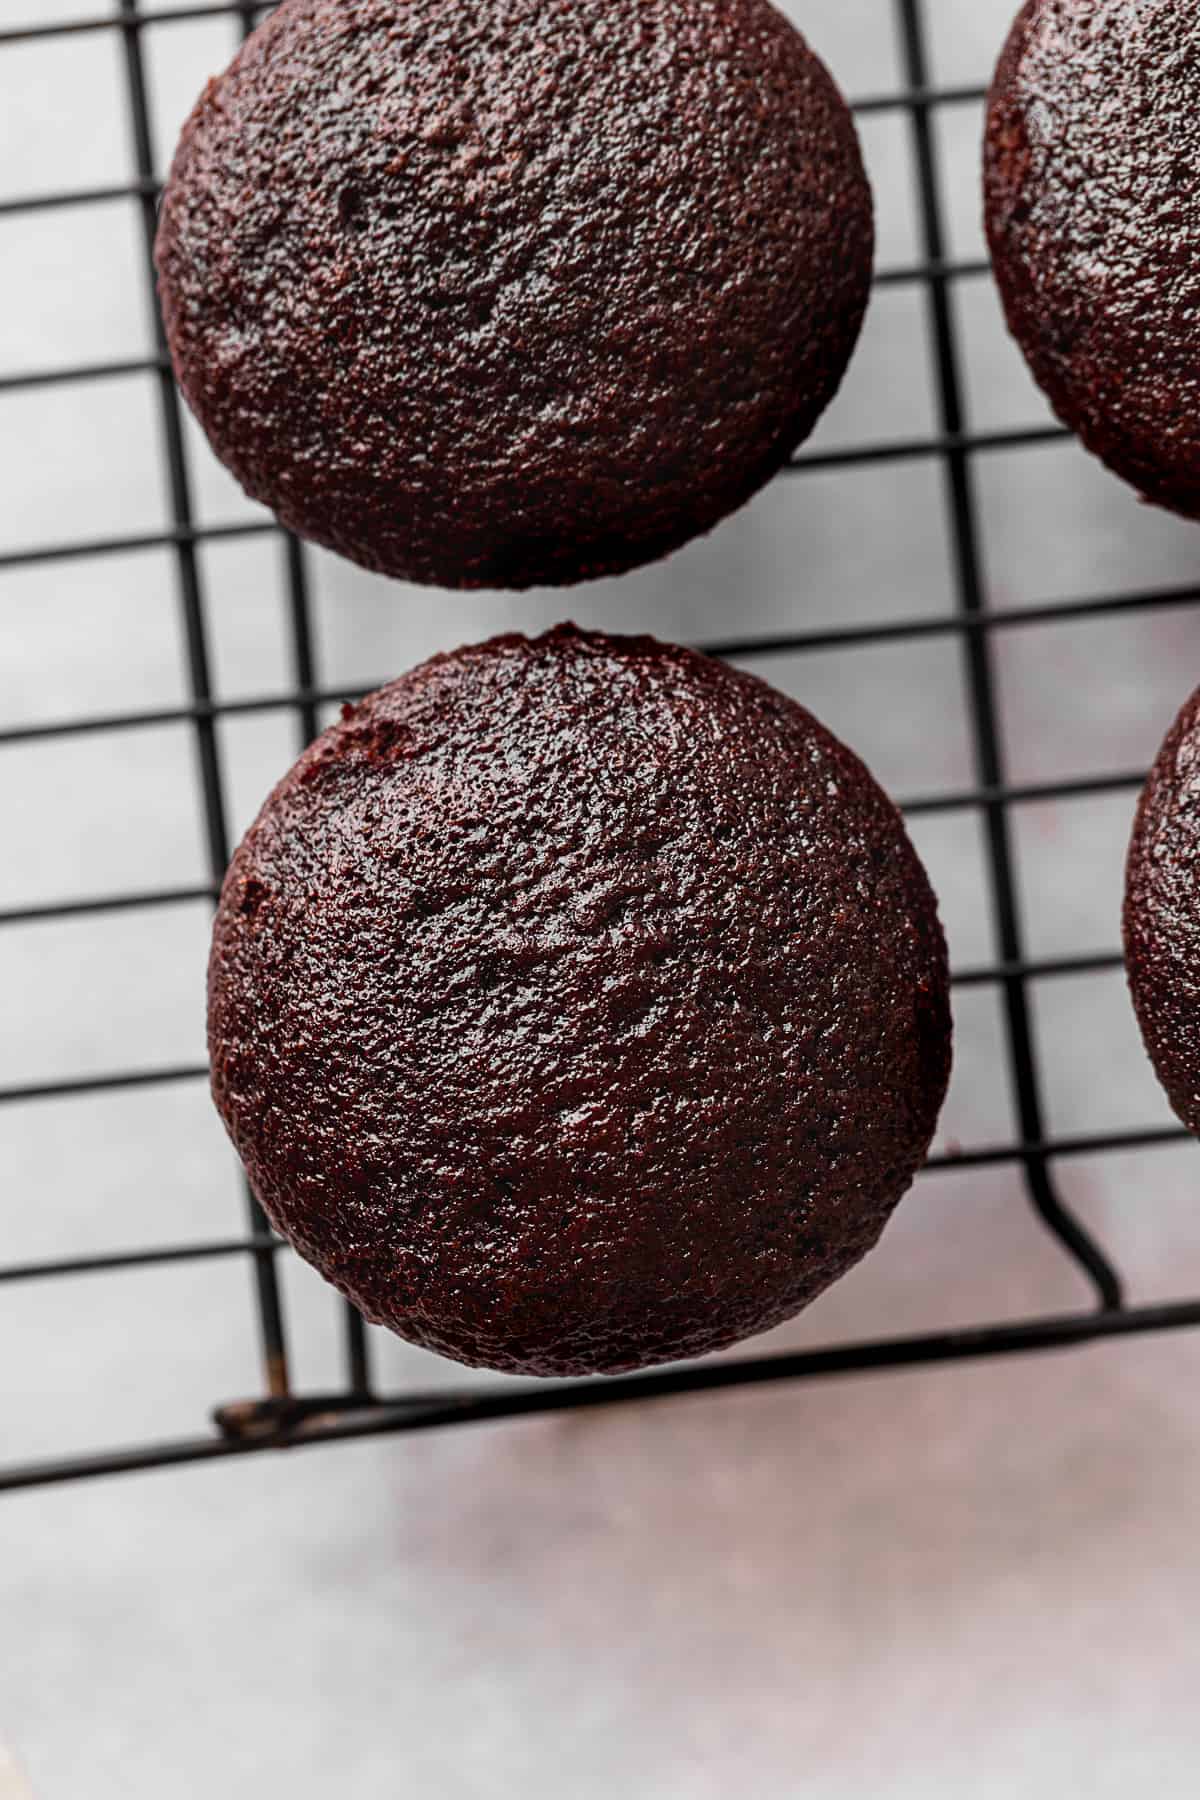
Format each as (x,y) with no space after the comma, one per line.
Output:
(979,1581)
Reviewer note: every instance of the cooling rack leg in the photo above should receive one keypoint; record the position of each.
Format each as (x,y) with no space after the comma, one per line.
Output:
(981,677)
(304,674)
(191,595)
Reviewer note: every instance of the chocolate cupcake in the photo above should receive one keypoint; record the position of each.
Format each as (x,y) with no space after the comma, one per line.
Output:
(1162,915)
(1093,135)
(577,1004)
(509,292)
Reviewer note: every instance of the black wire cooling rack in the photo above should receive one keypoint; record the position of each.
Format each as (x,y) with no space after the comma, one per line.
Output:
(281,1418)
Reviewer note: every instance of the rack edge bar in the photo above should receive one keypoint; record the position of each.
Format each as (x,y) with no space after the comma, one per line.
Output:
(429,1412)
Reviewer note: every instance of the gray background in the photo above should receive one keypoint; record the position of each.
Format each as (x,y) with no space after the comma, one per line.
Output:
(979,1580)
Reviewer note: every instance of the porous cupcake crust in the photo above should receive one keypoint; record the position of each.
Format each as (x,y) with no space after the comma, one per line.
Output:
(577,1004)
(1091,158)
(1162,915)
(509,292)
